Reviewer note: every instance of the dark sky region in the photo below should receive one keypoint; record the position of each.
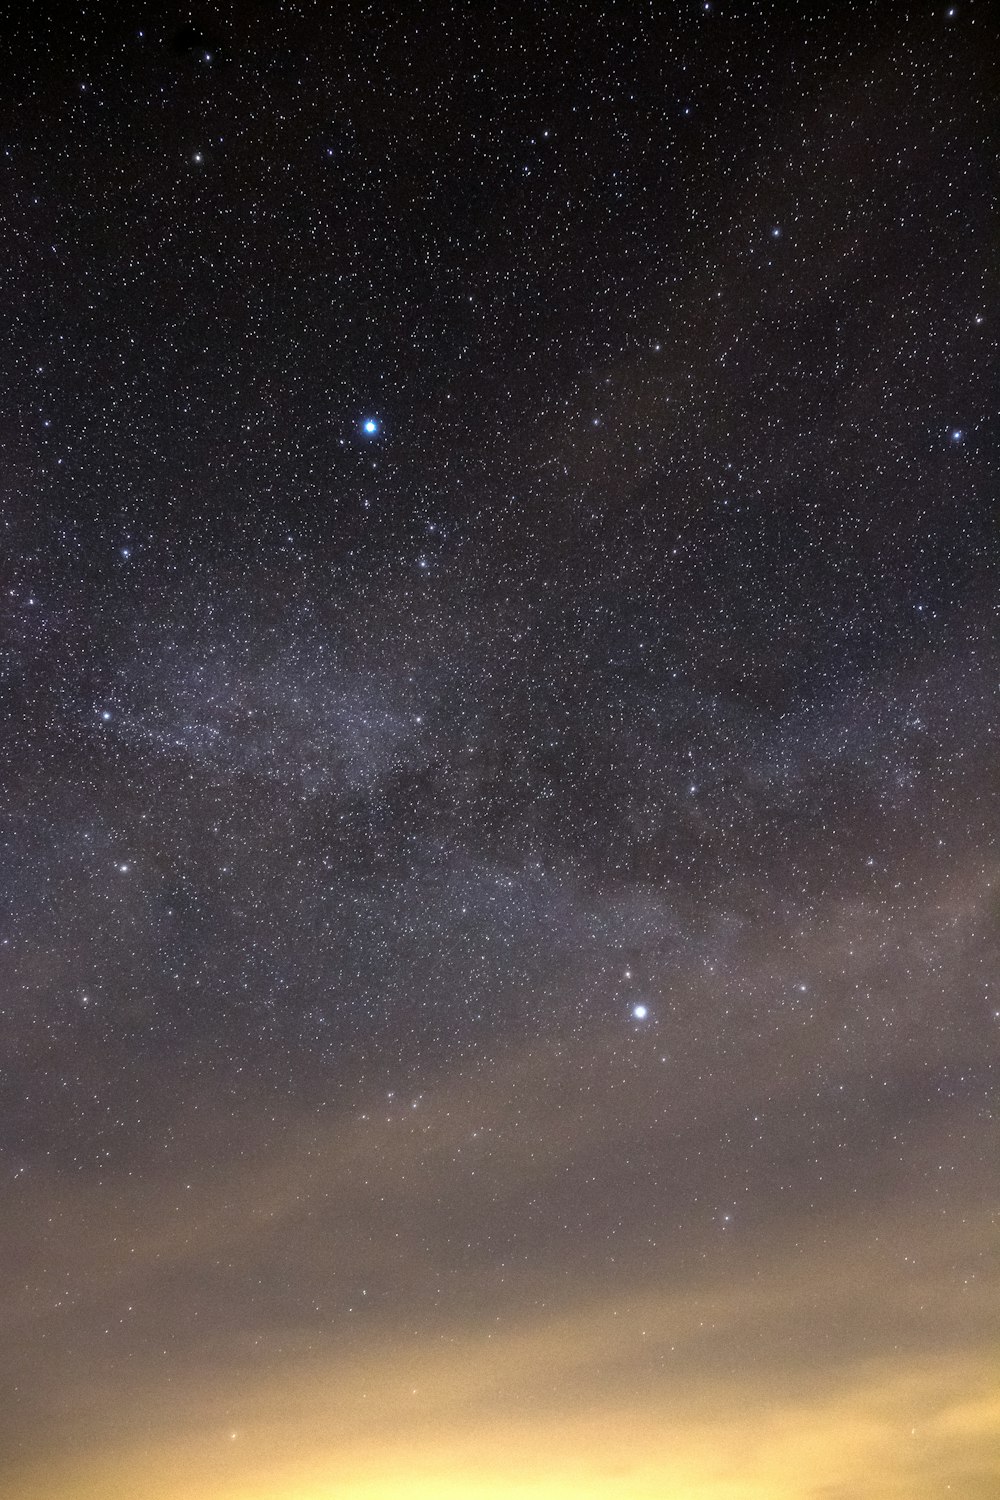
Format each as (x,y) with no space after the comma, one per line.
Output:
(499,987)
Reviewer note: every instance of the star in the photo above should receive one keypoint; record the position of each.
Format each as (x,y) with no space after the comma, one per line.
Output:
(640,1012)
(369,426)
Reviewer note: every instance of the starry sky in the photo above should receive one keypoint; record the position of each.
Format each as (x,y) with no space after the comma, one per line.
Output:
(499,989)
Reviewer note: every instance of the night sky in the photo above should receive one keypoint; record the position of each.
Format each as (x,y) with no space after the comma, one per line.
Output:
(499,859)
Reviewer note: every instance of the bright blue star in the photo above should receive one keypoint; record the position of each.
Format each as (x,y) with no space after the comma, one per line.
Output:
(370,426)
(640,1012)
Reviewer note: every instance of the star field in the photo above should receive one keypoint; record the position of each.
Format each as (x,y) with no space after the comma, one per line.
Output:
(499,958)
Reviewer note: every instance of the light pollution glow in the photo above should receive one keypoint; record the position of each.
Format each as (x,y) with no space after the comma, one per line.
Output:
(852,1355)
(543,1413)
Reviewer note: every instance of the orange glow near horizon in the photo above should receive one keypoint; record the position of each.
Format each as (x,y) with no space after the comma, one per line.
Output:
(890,1433)
(630,1397)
